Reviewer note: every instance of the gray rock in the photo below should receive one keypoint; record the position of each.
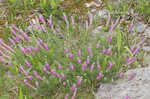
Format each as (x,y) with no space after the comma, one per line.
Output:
(146,48)
(139,27)
(137,88)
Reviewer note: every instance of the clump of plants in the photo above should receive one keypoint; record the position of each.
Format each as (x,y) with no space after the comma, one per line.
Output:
(66,58)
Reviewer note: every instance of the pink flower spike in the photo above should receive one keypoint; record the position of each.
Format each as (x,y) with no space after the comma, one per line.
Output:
(79,61)
(98,67)
(121,76)
(39,45)
(79,81)
(88,60)
(72,20)
(92,67)
(132,49)
(59,67)
(22,69)
(141,42)
(28,64)
(36,50)
(84,67)
(97,46)
(72,67)
(71,56)
(104,51)
(37,84)
(42,19)
(127,97)
(108,51)
(66,96)
(37,76)
(109,20)
(111,66)
(110,40)
(14,32)
(66,20)
(131,76)
(67,50)
(46,47)
(63,76)
(30,78)
(73,87)
(79,53)
(131,60)
(100,76)
(15,27)
(47,66)
(51,22)
(136,50)
(130,27)
(27,84)
(90,19)
(12,42)
(64,83)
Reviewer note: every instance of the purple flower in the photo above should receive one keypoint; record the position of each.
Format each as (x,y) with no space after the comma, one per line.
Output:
(90,51)
(37,76)
(22,69)
(71,56)
(72,67)
(39,45)
(88,60)
(37,84)
(79,53)
(30,78)
(141,42)
(97,46)
(131,76)
(15,27)
(127,97)
(36,50)
(114,25)
(66,96)
(104,51)
(66,20)
(109,19)
(73,88)
(47,66)
(132,49)
(27,84)
(130,27)
(31,51)
(46,47)
(51,22)
(100,76)
(110,40)
(121,76)
(79,61)
(64,83)
(72,20)
(12,41)
(98,67)
(91,19)
(59,67)
(79,81)
(28,64)
(111,66)
(63,76)
(84,67)
(108,51)
(92,67)
(136,50)
(67,50)
(131,60)
(42,19)
(26,37)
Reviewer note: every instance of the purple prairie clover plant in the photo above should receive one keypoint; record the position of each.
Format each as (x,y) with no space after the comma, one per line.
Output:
(97,45)
(51,22)
(36,50)
(25,36)
(11,41)
(30,49)
(54,73)
(37,76)
(114,25)
(30,78)
(47,66)
(130,27)
(141,42)
(22,69)
(121,76)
